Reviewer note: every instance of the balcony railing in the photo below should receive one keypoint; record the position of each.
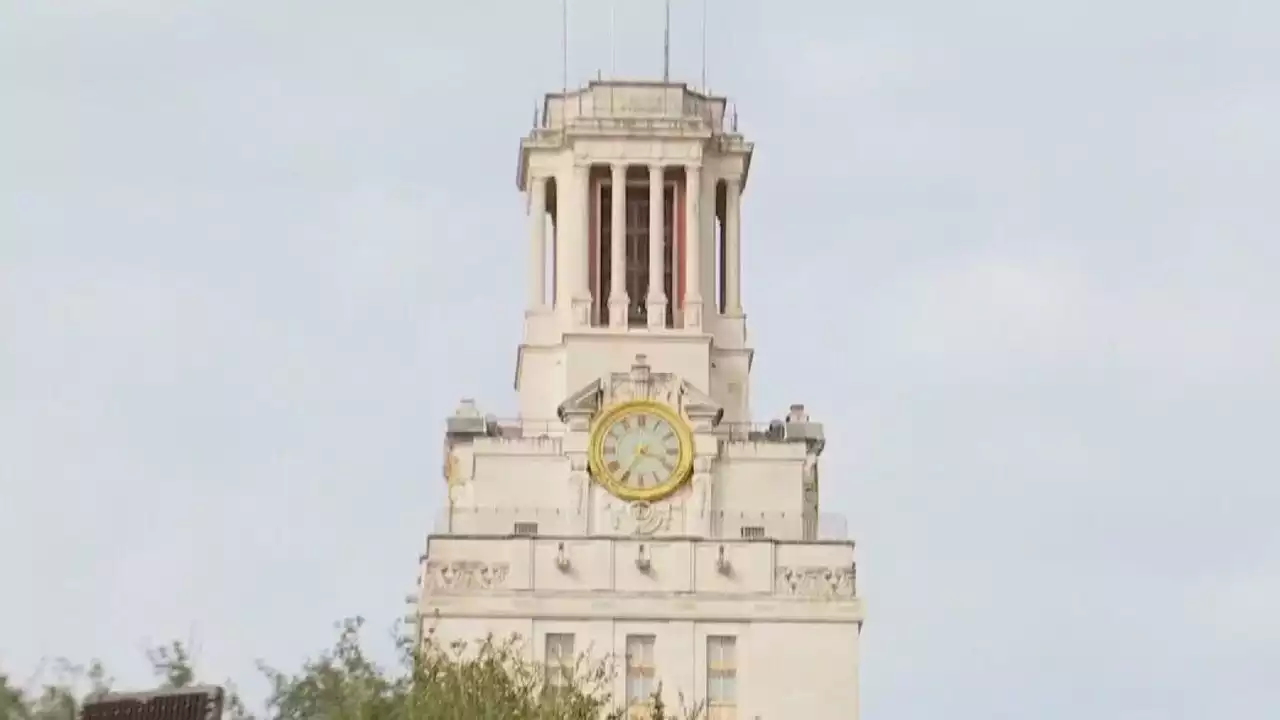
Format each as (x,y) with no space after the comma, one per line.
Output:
(753,431)
(509,428)
(517,428)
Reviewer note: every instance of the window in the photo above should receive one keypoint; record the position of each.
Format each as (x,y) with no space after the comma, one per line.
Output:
(722,677)
(752,532)
(640,675)
(560,659)
(603,272)
(669,273)
(637,257)
(635,250)
(526,528)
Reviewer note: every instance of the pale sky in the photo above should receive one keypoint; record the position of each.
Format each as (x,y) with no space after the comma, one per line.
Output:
(1020,257)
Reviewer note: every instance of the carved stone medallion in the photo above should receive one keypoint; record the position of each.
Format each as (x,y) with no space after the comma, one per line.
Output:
(642,518)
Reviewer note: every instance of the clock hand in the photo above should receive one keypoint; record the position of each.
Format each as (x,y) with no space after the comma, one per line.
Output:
(636,461)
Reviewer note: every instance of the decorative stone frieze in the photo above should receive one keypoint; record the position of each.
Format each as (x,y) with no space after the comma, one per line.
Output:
(463,575)
(817,583)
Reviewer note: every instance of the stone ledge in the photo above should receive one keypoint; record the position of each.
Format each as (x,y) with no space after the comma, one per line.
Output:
(548,606)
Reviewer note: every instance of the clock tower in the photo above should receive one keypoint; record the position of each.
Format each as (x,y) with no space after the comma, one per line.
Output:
(632,508)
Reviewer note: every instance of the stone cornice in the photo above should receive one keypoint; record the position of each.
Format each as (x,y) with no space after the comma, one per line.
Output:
(644,606)
(619,536)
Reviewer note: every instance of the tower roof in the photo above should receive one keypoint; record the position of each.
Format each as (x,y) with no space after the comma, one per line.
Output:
(658,104)
(630,108)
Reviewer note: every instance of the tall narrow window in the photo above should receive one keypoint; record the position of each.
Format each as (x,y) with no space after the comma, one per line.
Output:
(640,676)
(722,677)
(637,268)
(670,273)
(719,236)
(560,659)
(553,233)
(603,274)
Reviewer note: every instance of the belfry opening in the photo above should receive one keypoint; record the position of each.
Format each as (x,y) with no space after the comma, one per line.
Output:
(638,201)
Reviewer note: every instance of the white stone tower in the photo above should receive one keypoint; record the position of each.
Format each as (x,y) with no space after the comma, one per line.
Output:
(633,509)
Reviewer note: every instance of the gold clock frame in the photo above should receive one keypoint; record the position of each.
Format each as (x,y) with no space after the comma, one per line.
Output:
(595,450)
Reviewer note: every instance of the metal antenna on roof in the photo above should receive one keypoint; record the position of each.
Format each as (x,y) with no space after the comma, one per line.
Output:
(704,46)
(666,45)
(564,45)
(613,39)
(613,49)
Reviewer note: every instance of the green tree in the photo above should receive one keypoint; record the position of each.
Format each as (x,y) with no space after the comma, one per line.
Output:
(57,697)
(171,664)
(13,702)
(486,680)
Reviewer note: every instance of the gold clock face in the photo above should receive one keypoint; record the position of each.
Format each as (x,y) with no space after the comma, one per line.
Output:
(641,450)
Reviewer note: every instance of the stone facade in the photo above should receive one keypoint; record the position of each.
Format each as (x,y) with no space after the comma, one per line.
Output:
(745,594)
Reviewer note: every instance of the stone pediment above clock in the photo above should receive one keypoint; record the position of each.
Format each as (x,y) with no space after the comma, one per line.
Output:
(578,409)
(641,383)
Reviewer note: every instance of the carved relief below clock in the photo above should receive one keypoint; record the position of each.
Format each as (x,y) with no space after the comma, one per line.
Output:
(816,583)
(461,575)
(641,518)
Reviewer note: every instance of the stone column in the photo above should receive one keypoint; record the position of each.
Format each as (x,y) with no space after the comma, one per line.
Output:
(693,247)
(733,247)
(538,251)
(656,303)
(579,269)
(562,282)
(618,299)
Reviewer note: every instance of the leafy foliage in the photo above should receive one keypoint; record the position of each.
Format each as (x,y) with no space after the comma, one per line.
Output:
(58,698)
(486,680)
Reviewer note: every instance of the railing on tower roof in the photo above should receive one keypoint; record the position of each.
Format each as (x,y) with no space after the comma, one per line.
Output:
(617,109)
(632,106)
(774,431)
